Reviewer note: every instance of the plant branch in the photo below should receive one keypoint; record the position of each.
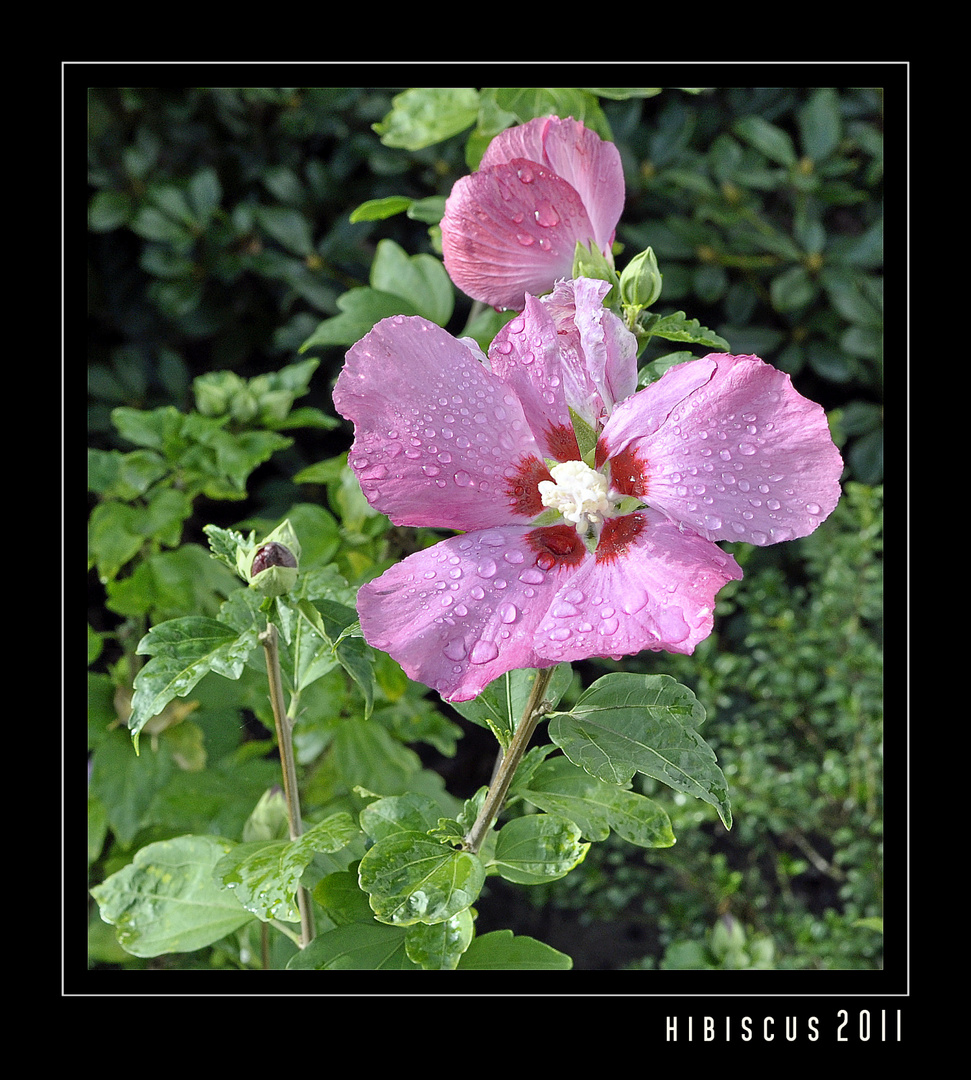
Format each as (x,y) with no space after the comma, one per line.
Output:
(270,641)
(536,708)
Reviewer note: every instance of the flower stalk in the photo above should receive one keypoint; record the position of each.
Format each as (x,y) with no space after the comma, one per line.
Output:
(269,638)
(536,708)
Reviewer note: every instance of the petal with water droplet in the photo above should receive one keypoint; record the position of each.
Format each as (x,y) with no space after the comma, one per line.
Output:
(495,604)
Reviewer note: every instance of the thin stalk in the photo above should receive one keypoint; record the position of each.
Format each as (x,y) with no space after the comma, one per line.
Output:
(288,764)
(536,708)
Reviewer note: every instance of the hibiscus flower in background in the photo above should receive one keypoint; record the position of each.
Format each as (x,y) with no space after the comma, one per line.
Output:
(566,552)
(512,227)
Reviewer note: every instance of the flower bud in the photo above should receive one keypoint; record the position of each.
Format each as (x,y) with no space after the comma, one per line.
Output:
(640,282)
(272,566)
(273,570)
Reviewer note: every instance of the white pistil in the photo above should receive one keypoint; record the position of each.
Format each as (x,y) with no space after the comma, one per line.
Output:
(579,493)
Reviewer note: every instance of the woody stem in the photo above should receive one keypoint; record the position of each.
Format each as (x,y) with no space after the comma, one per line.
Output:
(270,642)
(536,709)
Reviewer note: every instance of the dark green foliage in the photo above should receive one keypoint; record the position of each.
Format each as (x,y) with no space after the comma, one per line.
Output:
(221,240)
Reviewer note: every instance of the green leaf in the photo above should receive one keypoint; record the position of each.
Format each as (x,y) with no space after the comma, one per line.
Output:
(379,209)
(364,754)
(360,309)
(501,951)
(440,947)
(792,289)
(424,115)
(288,227)
(526,103)
(358,947)
(820,124)
(341,898)
(626,723)
(559,787)
(678,327)
(411,878)
(115,475)
(166,901)
(654,369)
(265,876)
(621,93)
(182,651)
(536,848)
(411,812)
(420,279)
(338,624)
(109,210)
(500,705)
(770,140)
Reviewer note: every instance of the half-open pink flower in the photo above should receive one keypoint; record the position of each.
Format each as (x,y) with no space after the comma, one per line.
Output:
(512,227)
(561,558)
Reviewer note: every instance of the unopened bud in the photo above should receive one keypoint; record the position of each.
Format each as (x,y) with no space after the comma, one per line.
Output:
(640,281)
(273,570)
(272,554)
(271,567)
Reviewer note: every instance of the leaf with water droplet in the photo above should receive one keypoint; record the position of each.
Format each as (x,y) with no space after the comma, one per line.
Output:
(412,878)
(560,787)
(182,651)
(537,848)
(264,876)
(166,900)
(626,723)
(439,947)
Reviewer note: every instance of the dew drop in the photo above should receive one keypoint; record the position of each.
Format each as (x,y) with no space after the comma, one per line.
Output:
(483,652)
(462,478)
(455,649)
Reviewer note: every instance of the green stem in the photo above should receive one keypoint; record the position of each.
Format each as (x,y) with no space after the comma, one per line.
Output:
(536,708)
(288,763)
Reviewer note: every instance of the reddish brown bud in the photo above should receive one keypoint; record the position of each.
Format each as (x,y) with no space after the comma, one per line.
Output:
(271,554)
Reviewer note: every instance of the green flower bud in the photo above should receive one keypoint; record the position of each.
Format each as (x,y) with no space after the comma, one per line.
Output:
(640,281)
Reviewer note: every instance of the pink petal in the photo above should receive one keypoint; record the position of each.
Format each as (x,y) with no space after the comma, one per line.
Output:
(526,355)
(599,352)
(439,439)
(649,586)
(729,447)
(591,166)
(511,229)
(462,613)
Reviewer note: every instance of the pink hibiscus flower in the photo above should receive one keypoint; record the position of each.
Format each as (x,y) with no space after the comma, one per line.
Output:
(512,227)
(561,558)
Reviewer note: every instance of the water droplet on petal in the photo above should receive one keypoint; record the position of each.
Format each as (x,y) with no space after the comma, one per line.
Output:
(483,652)
(455,649)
